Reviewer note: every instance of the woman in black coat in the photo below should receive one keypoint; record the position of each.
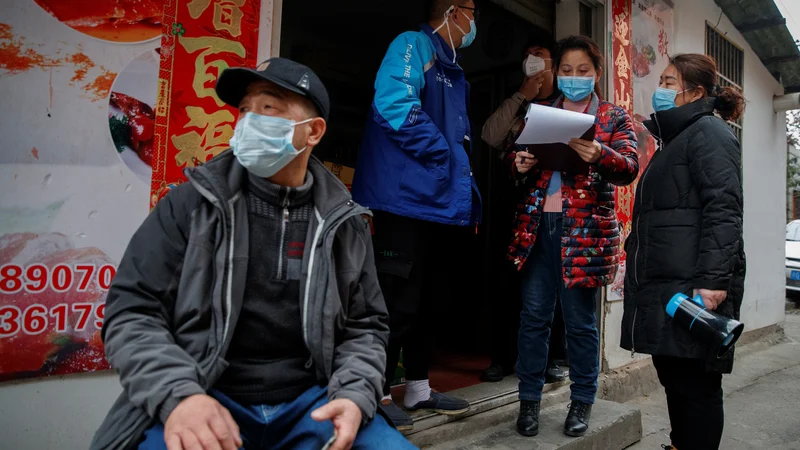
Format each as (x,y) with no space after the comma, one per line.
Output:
(687,238)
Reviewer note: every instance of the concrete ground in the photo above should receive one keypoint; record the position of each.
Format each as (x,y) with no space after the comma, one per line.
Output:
(762,399)
(762,404)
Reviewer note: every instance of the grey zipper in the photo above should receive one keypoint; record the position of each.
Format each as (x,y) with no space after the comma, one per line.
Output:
(311,258)
(229,288)
(283,236)
(214,199)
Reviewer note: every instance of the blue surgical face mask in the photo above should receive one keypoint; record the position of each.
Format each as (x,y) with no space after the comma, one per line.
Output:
(664,99)
(467,39)
(576,88)
(263,144)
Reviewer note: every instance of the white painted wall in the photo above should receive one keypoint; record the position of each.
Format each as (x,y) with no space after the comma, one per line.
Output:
(61,413)
(567,23)
(764,161)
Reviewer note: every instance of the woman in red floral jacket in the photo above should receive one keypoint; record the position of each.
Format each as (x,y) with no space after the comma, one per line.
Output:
(567,240)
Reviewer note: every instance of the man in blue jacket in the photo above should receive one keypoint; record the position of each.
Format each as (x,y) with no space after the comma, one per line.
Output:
(414,171)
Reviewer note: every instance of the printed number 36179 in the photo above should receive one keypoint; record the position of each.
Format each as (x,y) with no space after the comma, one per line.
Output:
(35,319)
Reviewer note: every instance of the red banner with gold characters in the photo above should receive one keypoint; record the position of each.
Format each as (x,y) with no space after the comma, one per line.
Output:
(622,77)
(201,39)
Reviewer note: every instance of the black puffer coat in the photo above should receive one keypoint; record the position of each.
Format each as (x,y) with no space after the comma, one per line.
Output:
(687,231)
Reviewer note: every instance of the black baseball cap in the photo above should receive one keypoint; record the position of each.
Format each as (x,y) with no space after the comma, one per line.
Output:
(232,83)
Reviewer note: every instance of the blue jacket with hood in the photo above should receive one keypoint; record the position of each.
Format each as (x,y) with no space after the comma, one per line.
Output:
(414,159)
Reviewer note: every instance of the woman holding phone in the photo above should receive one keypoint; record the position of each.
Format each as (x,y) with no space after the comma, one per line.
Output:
(566,238)
(687,238)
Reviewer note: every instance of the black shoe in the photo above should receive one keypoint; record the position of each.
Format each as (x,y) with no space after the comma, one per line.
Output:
(668,447)
(496,373)
(528,420)
(554,373)
(577,422)
(396,416)
(442,404)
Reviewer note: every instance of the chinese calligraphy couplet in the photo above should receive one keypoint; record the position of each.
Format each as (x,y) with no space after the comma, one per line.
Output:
(201,39)
(622,79)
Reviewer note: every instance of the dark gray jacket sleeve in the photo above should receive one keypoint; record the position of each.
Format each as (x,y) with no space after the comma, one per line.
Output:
(360,357)
(715,165)
(155,372)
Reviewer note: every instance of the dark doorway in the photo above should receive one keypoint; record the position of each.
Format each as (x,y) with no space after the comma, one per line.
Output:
(344,43)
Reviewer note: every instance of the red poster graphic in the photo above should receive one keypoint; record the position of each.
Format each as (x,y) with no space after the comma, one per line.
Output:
(622,76)
(201,39)
(53,304)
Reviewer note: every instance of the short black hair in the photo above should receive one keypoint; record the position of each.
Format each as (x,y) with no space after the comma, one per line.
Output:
(436,8)
(543,40)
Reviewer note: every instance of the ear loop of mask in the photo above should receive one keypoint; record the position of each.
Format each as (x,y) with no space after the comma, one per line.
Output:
(447,23)
(681,92)
(295,129)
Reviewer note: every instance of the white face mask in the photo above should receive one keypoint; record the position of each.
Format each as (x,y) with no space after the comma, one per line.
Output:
(263,144)
(533,65)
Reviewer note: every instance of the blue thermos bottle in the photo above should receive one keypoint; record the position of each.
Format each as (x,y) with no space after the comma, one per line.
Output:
(719,333)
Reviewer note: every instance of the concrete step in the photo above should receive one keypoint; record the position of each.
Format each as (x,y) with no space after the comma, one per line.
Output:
(431,428)
(614,426)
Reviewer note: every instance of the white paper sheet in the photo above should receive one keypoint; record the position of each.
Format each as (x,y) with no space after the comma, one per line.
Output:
(547,125)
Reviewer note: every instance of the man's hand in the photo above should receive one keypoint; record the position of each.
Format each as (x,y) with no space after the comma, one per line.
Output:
(712,299)
(200,422)
(589,151)
(525,162)
(346,418)
(531,86)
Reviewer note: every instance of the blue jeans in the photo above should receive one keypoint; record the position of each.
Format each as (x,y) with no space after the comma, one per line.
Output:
(542,281)
(290,426)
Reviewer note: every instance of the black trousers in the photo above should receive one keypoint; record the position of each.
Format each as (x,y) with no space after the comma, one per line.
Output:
(406,254)
(694,400)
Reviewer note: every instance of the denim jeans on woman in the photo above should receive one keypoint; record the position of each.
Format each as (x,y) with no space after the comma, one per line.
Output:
(542,281)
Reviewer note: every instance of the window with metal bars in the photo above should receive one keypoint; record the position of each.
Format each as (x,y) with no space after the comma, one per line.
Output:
(730,66)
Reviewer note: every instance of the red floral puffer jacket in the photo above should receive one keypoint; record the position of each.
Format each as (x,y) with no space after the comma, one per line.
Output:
(590,243)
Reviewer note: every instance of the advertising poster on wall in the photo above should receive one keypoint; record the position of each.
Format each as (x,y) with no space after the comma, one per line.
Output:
(650,50)
(621,78)
(80,83)
(644,53)
(69,200)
